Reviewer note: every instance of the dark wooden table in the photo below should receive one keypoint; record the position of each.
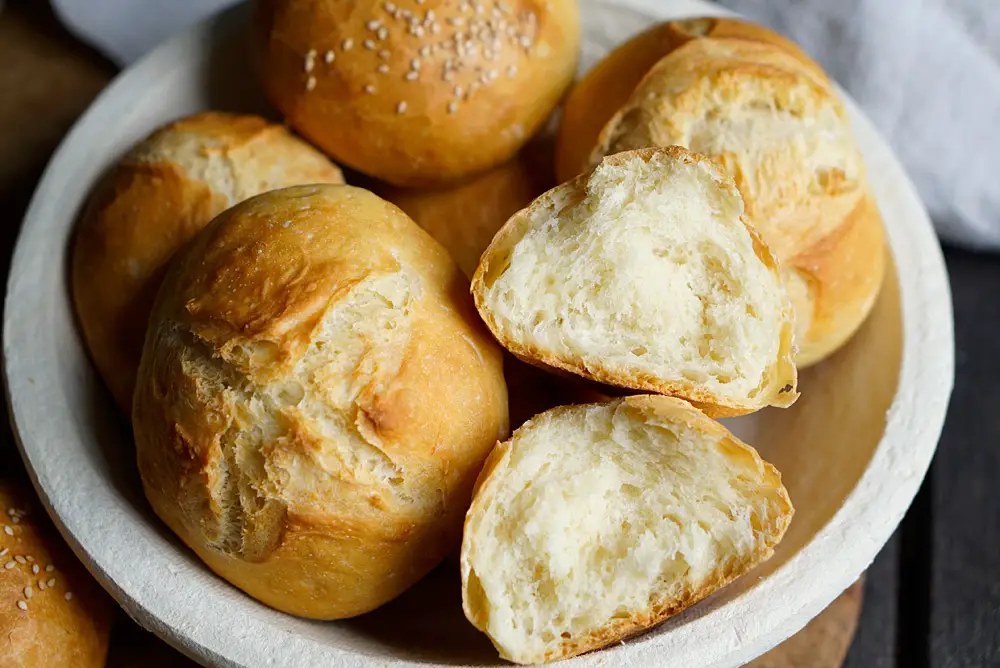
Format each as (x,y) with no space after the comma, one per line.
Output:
(933,594)
(932,597)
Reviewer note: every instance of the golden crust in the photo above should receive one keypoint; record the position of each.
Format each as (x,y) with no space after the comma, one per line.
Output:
(799,194)
(417,94)
(833,284)
(664,408)
(161,194)
(778,388)
(51,629)
(464,218)
(321,484)
(609,84)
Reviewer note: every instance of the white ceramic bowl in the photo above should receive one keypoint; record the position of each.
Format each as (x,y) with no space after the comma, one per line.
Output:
(853,450)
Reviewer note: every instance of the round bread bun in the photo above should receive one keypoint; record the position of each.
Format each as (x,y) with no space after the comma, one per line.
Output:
(765,114)
(609,84)
(51,612)
(464,218)
(645,274)
(417,92)
(160,195)
(315,400)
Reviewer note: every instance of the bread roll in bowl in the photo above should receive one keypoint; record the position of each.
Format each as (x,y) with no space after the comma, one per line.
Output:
(417,93)
(159,196)
(315,400)
(644,274)
(52,613)
(595,522)
(464,217)
(609,84)
(757,105)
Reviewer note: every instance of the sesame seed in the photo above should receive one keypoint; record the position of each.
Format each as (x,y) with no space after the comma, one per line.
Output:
(369,44)
(328,57)
(456,20)
(383,68)
(12,511)
(430,15)
(29,558)
(22,605)
(384,54)
(347,44)
(374,25)
(415,64)
(525,41)
(425,50)
(21,560)
(69,596)
(383,33)
(448,75)
(412,76)
(435,29)
(308,65)
(401,108)
(10,564)
(4,551)
(452,107)
(419,31)
(7,530)
(311,83)
(370,89)
(389,7)
(51,582)
(15,519)
(420,2)
(405,13)
(28,591)
(35,569)
(49,568)
(41,585)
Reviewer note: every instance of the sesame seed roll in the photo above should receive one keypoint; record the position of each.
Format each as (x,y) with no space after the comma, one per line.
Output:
(417,92)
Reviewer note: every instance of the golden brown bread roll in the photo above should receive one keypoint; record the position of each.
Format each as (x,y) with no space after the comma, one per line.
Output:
(51,612)
(764,111)
(417,92)
(160,195)
(644,274)
(594,522)
(463,218)
(315,400)
(608,86)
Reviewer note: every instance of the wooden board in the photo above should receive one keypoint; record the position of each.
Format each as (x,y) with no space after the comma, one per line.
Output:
(824,642)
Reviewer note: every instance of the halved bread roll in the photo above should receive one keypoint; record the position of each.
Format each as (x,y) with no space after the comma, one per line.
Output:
(644,274)
(595,522)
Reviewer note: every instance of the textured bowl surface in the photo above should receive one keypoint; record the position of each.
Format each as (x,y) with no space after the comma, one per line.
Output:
(852,451)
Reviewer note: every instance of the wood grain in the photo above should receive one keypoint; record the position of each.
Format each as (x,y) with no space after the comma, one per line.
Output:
(824,641)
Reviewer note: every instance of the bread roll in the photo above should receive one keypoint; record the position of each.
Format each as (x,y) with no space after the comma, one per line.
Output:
(51,612)
(595,522)
(644,274)
(160,195)
(417,92)
(464,218)
(764,111)
(608,86)
(315,400)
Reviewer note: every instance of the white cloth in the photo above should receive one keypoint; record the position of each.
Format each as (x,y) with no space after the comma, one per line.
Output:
(926,71)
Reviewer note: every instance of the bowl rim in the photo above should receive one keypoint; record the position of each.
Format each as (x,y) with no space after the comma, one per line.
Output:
(747,626)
